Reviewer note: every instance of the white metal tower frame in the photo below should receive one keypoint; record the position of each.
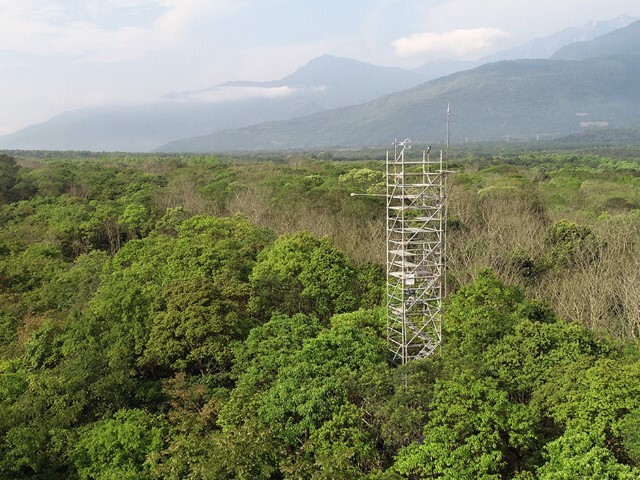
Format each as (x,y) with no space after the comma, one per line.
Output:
(416,243)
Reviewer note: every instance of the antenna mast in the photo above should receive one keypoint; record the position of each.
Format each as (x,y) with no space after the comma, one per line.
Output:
(448,131)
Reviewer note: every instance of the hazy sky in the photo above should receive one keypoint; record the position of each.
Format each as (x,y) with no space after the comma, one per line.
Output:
(58,55)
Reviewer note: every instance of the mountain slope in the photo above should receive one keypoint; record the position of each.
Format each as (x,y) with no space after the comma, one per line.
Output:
(541,48)
(624,41)
(143,128)
(545,47)
(339,81)
(323,83)
(525,97)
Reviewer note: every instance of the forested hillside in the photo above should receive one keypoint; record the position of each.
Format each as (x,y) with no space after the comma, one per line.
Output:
(196,317)
(325,82)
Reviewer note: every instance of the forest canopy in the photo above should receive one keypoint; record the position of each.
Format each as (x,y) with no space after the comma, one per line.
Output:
(206,318)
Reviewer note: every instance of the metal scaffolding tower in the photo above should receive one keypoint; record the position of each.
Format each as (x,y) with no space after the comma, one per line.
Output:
(416,252)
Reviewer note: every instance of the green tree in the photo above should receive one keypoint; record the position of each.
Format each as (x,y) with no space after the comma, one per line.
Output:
(474,432)
(478,315)
(228,458)
(321,379)
(126,307)
(539,346)
(568,243)
(122,447)
(598,400)
(267,349)
(301,274)
(23,452)
(343,448)
(135,220)
(8,177)
(25,272)
(72,287)
(196,326)
(579,454)
(363,180)
(8,335)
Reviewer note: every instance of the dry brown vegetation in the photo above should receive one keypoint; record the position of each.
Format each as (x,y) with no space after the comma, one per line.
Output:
(498,224)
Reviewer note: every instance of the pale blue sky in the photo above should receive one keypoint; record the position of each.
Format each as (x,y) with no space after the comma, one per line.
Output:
(58,55)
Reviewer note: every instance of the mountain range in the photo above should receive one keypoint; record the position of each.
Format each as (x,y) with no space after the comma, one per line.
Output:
(597,85)
(332,102)
(538,48)
(325,82)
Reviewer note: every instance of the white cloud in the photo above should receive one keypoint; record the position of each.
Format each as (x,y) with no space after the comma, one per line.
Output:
(116,30)
(458,43)
(226,94)
(524,19)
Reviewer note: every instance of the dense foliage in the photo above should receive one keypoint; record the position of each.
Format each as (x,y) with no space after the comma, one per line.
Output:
(205,319)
